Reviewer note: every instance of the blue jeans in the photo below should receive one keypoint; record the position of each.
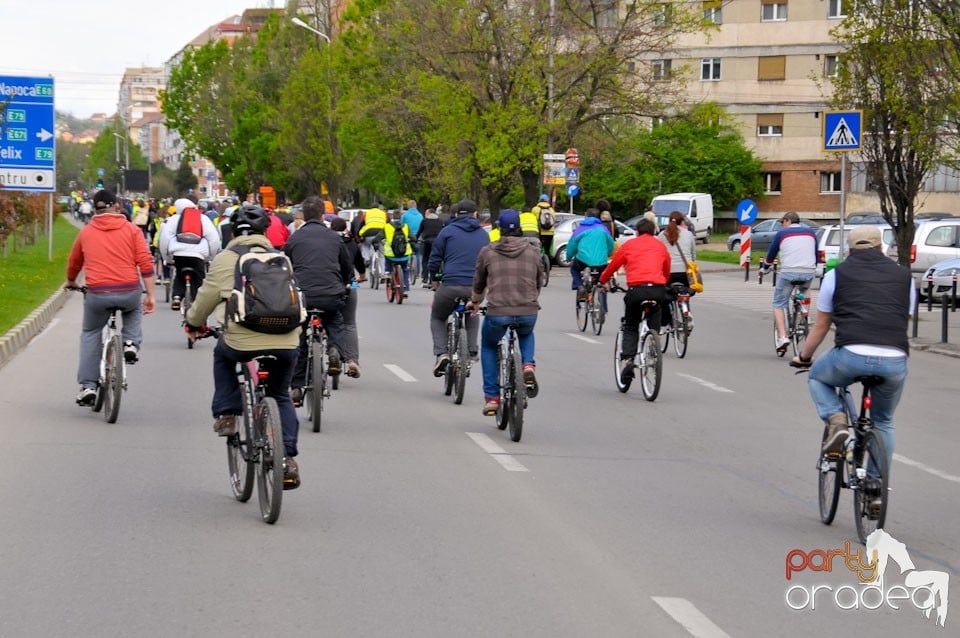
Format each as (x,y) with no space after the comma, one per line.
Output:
(96,313)
(404,262)
(838,367)
(227,398)
(493,330)
(781,294)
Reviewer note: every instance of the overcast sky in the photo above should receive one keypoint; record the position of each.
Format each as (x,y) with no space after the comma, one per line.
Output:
(86,46)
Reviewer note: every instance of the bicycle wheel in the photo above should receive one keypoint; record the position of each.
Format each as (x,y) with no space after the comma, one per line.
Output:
(269,437)
(397,278)
(598,314)
(113,379)
(583,312)
(518,395)
(240,455)
(185,304)
(623,383)
(798,332)
(461,359)
(872,491)
(503,411)
(651,366)
(546,270)
(680,334)
(319,372)
(451,348)
(828,482)
(666,339)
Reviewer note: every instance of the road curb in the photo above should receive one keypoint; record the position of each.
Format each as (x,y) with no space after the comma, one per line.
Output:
(20,335)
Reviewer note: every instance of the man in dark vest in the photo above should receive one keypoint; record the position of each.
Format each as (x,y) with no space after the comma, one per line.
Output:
(868,298)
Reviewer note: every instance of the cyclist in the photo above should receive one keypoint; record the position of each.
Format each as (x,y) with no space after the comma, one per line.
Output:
(323,270)
(240,344)
(868,298)
(797,245)
(389,258)
(114,258)
(590,246)
(371,231)
(351,341)
(426,235)
(647,265)
(413,218)
(546,220)
(509,272)
(682,246)
(606,217)
(453,262)
(188,240)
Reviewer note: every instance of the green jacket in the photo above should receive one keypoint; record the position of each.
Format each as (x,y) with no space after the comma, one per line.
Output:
(216,289)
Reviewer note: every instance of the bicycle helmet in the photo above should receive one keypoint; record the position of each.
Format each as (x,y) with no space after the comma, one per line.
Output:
(250,218)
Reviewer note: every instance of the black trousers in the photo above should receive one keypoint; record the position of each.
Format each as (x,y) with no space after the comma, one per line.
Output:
(198,269)
(633,315)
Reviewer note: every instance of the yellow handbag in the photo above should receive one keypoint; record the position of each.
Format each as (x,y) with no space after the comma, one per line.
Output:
(694,278)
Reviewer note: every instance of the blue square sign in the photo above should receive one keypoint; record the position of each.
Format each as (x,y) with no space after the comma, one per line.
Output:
(842,130)
(27,134)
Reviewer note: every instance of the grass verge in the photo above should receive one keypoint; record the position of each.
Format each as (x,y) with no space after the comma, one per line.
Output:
(28,278)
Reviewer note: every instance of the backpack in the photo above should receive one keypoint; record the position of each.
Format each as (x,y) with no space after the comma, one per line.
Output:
(190,228)
(546,218)
(265,296)
(399,242)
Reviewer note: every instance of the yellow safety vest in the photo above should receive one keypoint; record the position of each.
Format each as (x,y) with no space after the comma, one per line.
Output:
(529,225)
(374,218)
(388,232)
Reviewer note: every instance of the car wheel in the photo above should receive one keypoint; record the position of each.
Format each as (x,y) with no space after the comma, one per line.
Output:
(734,246)
(561,257)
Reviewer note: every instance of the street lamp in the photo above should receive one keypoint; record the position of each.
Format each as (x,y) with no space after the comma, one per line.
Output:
(301,23)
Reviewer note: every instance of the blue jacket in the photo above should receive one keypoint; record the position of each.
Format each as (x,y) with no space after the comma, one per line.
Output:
(412,218)
(456,249)
(591,243)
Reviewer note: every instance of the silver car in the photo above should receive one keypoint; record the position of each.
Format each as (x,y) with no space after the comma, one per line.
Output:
(941,275)
(563,231)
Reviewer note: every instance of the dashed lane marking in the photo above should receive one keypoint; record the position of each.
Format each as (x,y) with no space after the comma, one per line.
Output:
(705,383)
(689,617)
(402,374)
(581,337)
(499,455)
(924,468)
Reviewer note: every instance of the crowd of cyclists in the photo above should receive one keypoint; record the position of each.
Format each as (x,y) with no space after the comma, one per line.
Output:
(459,259)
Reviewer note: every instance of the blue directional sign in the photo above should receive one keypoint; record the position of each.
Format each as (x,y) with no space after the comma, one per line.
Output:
(746,212)
(573,190)
(842,130)
(27,134)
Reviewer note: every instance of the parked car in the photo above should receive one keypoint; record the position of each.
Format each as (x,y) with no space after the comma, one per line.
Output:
(829,245)
(762,234)
(941,275)
(564,230)
(865,218)
(935,240)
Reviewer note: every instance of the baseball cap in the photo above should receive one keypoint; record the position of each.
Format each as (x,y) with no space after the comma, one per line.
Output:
(544,198)
(509,219)
(104,199)
(791,217)
(864,237)
(465,207)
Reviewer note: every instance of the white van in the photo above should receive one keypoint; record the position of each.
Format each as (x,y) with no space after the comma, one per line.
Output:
(698,207)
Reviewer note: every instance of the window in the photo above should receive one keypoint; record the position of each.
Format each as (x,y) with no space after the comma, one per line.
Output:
(771,182)
(772,67)
(831,66)
(661,69)
(770,125)
(836,9)
(606,14)
(710,69)
(773,11)
(942,237)
(663,15)
(830,182)
(713,11)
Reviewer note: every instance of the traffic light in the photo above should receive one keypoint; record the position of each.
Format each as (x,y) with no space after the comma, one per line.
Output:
(99,183)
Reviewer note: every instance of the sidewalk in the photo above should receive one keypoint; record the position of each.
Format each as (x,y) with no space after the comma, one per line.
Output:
(729,279)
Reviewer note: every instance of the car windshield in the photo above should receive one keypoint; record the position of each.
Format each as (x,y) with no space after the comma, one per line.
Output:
(667,206)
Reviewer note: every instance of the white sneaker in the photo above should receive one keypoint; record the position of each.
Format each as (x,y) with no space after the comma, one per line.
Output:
(782,343)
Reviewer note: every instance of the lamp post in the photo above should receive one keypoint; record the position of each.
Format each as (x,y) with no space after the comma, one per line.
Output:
(301,23)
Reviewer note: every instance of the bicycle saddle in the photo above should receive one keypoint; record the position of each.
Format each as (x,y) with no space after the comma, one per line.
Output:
(870,380)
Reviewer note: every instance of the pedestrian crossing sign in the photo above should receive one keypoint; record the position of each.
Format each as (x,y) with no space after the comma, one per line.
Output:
(842,130)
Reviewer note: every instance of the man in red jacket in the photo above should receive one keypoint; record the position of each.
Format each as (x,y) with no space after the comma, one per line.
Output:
(647,264)
(114,258)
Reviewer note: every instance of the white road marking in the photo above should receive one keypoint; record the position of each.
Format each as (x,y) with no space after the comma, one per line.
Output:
(581,337)
(690,618)
(929,470)
(52,323)
(497,453)
(705,383)
(402,374)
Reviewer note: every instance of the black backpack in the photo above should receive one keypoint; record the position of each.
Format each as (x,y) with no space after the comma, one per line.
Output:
(265,297)
(399,242)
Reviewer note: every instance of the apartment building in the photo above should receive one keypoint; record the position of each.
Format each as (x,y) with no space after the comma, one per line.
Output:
(140,95)
(770,63)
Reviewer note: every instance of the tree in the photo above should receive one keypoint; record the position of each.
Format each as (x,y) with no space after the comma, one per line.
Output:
(885,72)
(184,180)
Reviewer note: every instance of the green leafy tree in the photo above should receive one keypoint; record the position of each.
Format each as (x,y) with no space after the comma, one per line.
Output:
(184,179)
(885,72)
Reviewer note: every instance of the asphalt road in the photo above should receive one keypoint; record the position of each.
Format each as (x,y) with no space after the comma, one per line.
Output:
(612,517)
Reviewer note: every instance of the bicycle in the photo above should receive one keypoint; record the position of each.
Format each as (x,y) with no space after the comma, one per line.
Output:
(188,295)
(395,291)
(415,264)
(315,388)
(647,359)
(796,316)
(545,259)
(513,391)
(376,265)
(593,304)
(457,371)
(861,467)
(680,318)
(112,378)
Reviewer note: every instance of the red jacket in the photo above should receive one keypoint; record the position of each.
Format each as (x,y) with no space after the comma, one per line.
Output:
(112,254)
(277,232)
(646,259)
